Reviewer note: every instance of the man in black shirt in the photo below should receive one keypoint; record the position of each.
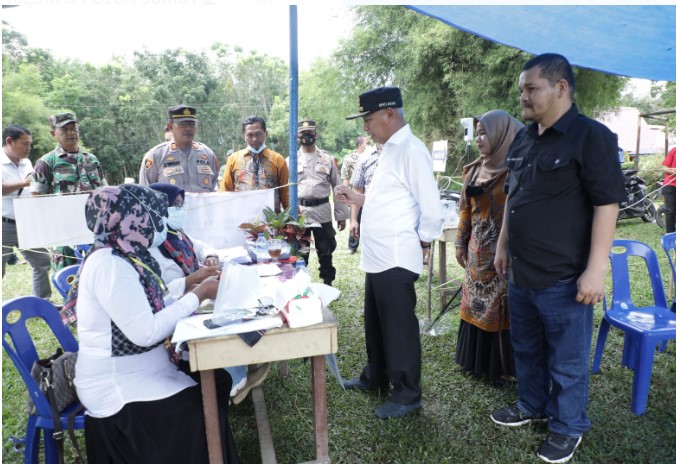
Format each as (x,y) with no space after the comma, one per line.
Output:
(564,190)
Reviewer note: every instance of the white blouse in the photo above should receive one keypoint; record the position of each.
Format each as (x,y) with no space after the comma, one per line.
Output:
(172,273)
(402,206)
(110,291)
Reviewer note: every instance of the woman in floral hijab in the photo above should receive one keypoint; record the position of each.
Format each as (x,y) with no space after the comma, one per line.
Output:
(140,407)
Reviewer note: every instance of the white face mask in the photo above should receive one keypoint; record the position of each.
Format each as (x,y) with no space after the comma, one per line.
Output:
(253,150)
(176,219)
(159,236)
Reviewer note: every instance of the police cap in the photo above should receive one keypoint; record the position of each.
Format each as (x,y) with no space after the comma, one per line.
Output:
(180,113)
(306,125)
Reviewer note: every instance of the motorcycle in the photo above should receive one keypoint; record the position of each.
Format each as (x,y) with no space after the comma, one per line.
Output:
(638,202)
(656,196)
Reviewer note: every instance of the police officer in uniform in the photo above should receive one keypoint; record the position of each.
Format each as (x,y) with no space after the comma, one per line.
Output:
(182,161)
(66,169)
(318,174)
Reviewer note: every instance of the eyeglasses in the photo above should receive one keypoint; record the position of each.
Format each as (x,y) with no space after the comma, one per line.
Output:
(186,124)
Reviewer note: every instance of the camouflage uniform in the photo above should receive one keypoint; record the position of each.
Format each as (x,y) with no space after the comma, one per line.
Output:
(196,172)
(348,166)
(61,172)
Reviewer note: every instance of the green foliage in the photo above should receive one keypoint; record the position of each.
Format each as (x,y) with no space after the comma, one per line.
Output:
(122,106)
(446,74)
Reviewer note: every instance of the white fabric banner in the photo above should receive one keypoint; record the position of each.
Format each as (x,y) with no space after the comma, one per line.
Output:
(49,221)
(214,218)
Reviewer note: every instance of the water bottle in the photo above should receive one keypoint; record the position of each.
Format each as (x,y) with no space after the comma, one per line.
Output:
(452,218)
(300,266)
(262,249)
(449,213)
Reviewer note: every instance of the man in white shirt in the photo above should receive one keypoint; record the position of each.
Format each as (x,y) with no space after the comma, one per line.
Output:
(17,170)
(401,216)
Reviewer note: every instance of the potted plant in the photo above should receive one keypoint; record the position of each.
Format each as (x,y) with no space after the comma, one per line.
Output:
(283,226)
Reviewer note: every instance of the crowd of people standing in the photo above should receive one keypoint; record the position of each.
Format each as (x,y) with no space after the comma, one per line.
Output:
(537,217)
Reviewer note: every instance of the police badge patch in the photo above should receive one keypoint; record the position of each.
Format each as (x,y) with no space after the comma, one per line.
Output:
(149,163)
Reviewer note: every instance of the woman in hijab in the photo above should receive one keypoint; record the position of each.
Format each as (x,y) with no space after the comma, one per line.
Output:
(179,255)
(140,407)
(484,346)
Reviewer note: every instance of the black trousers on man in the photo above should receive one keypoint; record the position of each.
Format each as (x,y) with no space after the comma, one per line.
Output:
(392,334)
(325,244)
(669,193)
(353,243)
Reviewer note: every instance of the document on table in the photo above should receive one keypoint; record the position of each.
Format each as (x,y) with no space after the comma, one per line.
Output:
(192,328)
(267,270)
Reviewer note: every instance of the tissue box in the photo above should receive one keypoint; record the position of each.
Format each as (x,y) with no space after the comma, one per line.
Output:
(301,312)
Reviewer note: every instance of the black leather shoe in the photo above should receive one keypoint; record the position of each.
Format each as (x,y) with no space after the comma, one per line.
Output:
(357,384)
(391,410)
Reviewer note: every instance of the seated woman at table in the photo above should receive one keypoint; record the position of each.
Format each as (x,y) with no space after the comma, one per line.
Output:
(484,346)
(179,257)
(140,407)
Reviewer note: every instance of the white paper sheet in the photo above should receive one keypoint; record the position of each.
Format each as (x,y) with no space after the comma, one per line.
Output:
(50,221)
(193,328)
(267,270)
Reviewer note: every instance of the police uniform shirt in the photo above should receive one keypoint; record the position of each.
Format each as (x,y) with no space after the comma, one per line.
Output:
(317,175)
(196,172)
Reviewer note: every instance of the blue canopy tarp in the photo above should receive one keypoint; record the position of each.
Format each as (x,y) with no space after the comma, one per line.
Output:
(633,41)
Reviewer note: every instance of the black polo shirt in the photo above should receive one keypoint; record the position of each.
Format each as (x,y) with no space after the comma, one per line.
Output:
(555,180)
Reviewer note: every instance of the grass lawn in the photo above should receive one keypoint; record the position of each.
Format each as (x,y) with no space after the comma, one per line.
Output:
(454,426)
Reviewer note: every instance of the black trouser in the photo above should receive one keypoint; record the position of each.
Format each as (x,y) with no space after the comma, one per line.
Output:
(392,334)
(325,244)
(669,193)
(353,243)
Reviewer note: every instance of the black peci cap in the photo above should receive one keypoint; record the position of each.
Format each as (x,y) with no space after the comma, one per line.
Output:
(378,99)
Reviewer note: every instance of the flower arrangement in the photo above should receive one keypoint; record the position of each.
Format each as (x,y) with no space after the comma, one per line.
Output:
(283,226)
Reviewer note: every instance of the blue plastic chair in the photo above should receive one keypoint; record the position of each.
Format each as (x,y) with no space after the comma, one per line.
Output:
(23,354)
(644,327)
(63,279)
(669,245)
(81,251)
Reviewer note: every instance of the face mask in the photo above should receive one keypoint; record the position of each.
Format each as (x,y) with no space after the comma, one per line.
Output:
(307,140)
(160,235)
(253,150)
(176,218)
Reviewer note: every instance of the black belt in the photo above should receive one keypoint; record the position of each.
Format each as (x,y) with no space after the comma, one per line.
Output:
(8,220)
(313,201)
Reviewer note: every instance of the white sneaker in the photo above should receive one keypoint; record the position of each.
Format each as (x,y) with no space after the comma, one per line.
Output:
(237,387)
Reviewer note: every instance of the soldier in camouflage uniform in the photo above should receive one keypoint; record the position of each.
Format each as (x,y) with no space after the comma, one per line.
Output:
(317,176)
(66,169)
(182,162)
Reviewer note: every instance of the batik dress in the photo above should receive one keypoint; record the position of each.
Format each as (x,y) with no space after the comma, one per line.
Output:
(484,345)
